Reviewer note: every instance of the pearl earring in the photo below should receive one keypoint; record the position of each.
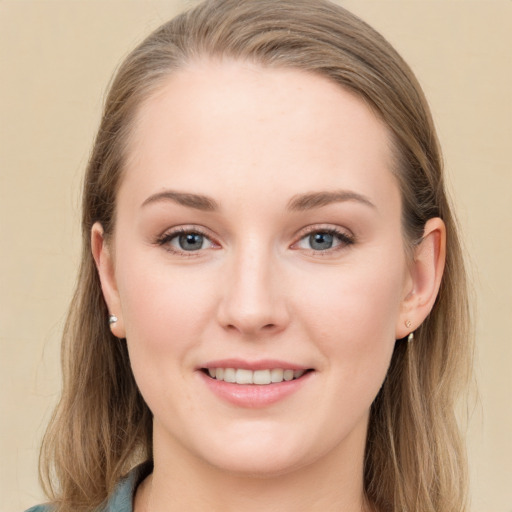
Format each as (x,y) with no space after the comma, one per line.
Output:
(112,319)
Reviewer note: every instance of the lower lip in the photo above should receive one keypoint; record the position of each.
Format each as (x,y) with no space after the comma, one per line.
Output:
(254,396)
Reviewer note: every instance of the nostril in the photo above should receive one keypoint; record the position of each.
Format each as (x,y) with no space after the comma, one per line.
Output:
(246,328)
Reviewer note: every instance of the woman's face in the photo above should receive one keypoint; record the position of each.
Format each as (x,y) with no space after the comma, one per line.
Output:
(258,236)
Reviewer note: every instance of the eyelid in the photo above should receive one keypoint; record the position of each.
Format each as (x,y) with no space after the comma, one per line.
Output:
(171,233)
(344,235)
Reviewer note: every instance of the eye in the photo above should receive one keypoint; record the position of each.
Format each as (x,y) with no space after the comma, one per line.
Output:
(324,240)
(180,241)
(189,242)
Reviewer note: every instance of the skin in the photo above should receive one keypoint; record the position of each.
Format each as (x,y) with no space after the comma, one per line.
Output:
(253,140)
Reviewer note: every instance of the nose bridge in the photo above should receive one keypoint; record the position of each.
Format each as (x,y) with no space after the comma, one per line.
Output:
(253,300)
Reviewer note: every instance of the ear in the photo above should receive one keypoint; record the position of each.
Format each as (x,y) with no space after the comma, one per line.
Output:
(426,271)
(105,264)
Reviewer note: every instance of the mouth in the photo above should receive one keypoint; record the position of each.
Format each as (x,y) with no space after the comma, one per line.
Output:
(263,377)
(254,384)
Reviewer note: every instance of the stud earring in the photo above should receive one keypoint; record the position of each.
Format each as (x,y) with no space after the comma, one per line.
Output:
(112,319)
(408,324)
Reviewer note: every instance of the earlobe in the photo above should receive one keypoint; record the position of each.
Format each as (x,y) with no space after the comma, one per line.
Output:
(426,274)
(105,265)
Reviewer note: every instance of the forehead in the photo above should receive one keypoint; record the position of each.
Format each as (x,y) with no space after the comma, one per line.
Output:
(234,124)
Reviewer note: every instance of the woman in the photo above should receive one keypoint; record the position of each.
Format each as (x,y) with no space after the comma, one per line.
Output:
(271,308)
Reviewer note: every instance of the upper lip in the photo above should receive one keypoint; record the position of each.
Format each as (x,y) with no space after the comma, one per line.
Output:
(261,364)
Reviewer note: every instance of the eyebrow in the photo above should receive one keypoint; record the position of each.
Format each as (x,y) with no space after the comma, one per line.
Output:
(317,199)
(298,202)
(197,201)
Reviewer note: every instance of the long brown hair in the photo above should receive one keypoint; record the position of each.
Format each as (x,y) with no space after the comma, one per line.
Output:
(415,459)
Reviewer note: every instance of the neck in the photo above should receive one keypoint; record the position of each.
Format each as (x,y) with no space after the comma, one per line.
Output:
(181,482)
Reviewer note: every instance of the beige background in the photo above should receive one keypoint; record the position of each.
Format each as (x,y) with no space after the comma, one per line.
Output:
(56,59)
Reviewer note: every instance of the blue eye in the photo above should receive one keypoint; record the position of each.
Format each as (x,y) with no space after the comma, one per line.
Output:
(324,240)
(189,241)
(321,241)
(185,241)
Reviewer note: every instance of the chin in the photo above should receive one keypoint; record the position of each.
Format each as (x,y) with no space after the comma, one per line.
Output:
(267,466)
(262,456)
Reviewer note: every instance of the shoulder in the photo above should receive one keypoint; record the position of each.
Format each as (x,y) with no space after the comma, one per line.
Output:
(121,499)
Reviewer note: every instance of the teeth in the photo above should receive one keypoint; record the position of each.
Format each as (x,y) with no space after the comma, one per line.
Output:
(276,375)
(259,377)
(229,375)
(244,376)
(288,375)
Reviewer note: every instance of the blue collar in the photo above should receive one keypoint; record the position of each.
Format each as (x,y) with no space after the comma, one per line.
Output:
(121,499)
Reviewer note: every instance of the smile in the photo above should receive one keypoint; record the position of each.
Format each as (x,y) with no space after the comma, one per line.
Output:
(258,377)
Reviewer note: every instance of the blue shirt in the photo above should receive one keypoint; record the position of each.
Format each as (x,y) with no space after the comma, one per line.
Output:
(121,500)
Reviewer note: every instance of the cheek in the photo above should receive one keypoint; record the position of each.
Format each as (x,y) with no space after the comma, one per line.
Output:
(353,320)
(356,299)
(353,327)
(164,309)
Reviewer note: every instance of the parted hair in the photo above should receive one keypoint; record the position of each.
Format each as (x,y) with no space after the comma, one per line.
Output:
(415,458)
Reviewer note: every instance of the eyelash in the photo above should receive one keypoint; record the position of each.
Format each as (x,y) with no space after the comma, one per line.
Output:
(345,240)
(164,240)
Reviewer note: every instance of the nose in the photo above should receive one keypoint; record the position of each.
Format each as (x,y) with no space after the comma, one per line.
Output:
(253,299)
